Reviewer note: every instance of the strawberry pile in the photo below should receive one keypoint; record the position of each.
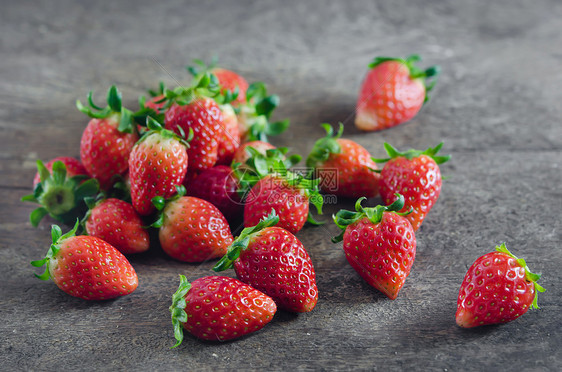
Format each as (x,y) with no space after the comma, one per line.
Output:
(195,160)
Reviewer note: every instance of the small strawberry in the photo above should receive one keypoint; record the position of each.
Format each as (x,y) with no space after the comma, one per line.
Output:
(379,243)
(344,167)
(108,139)
(191,229)
(274,261)
(242,154)
(116,222)
(218,308)
(87,267)
(219,185)
(288,194)
(229,141)
(393,92)
(73,168)
(61,191)
(158,163)
(497,288)
(414,174)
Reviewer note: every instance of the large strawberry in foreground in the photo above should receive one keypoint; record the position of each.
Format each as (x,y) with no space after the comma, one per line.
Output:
(158,163)
(345,168)
(108,139)
(87,267)
(393,92)
(379,243)
(414,174)
(274,261)
(218,308)
(497,288)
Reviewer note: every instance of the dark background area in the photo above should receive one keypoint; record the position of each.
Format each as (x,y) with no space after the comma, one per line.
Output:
(497,106)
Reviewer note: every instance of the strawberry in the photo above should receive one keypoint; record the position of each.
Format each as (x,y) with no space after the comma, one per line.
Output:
(108,138)
(116,222)
(414,174)
(497,288)
(344,167)
(379,243)
(274,261)
(229,141)
(191,229)
(288,194)
(219,186)
(393,92)
(218,308)
(61,191)
(73,168)
(158,163)
(241,155)
(230,82)
(87,267)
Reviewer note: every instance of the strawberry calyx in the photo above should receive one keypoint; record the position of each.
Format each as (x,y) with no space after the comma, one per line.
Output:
(256,113)
(204,85)
(428,76)
(243,240)
(225,96)
(114,109)
(155,127)
(57,239)
(60,196)
(324,147)
(344,218)
(160,203)
(177,309)
(529,276)
(411,154)
(260,165)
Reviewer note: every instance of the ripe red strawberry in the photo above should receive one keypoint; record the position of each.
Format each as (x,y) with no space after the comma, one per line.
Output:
(73,168)
(379,244)
(218,308)
(158,163)
(191,229)
(414,174)
(497,288)
(286,193)
(242,154)
(219,186)
(108,139)
(87,267)
(61,192)
(233,82)
(229,140)
(393,92)
(344,167)
(274,261)
(204,117)
(116,222)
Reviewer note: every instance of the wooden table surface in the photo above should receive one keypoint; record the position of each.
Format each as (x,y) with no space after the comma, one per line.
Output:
(497,107)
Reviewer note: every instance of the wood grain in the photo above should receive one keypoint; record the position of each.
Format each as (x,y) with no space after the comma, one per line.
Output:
(496,107)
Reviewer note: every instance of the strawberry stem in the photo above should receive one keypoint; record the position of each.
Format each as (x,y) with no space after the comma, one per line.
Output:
(412,153)
(324,147)
(530,276)
(344,218)
(57,239)
(242,241)
(177,309)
